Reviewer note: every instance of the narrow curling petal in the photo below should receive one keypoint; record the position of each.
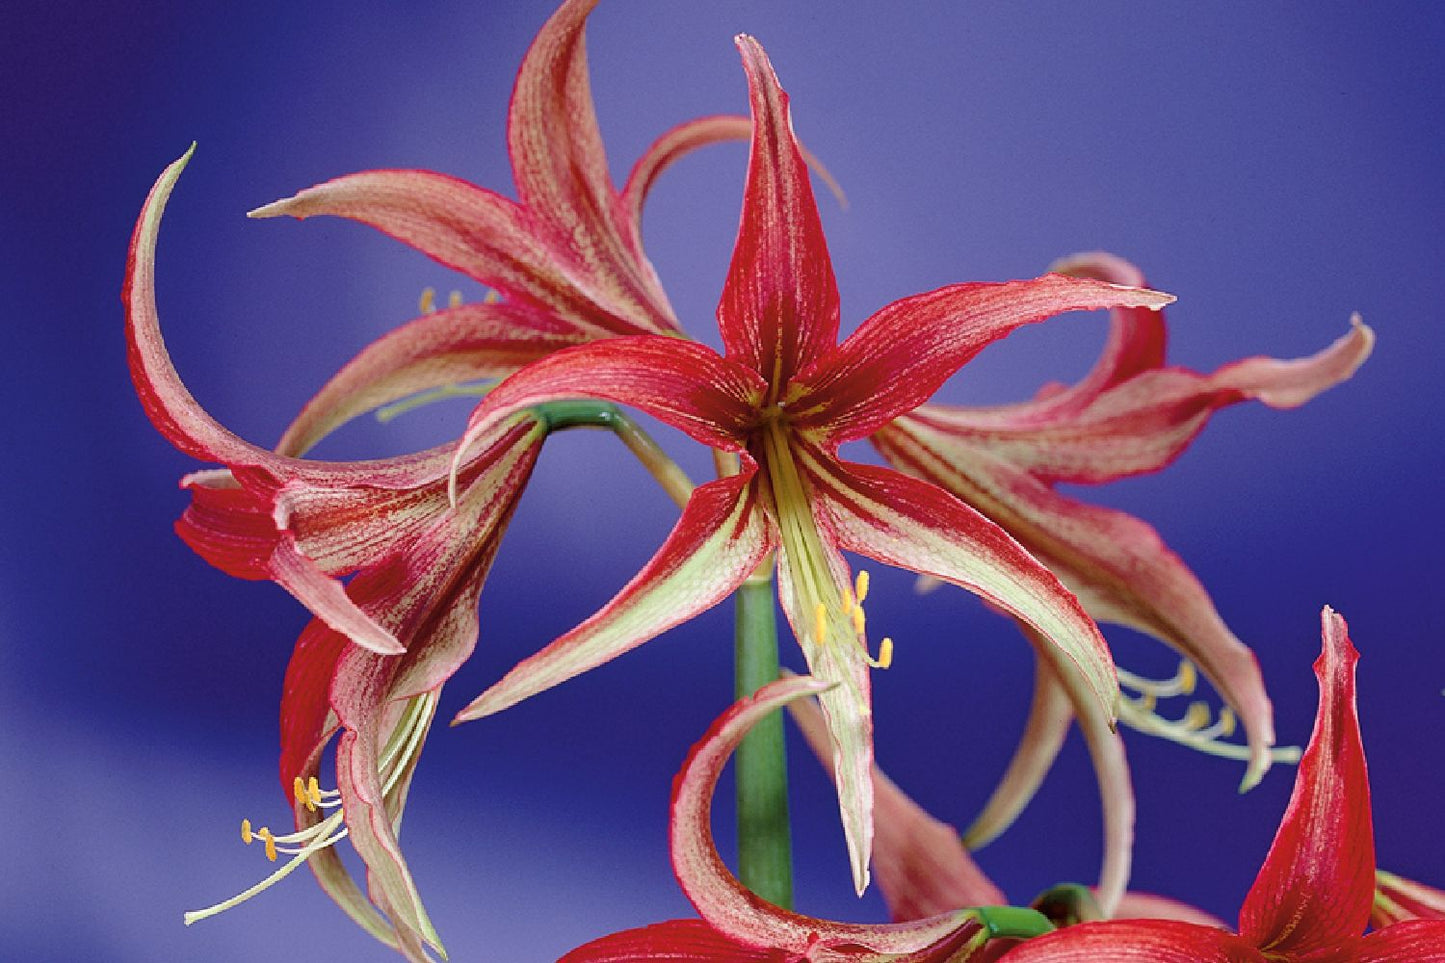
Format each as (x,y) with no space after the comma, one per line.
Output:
(1135,941)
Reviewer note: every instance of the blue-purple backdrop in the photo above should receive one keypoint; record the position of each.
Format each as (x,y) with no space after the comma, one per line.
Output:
(1275,168)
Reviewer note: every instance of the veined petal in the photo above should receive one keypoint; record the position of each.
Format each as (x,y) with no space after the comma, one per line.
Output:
(922,866)
(683,941)
(1117,564)
(902,354)
(779,307)
(685,384)
(561,172)
(1316,885)
(719,540)
(1135,941)
(1412,941)
(1050,716)
(464,343)
(1289,384)
(725,903)
(1397,899)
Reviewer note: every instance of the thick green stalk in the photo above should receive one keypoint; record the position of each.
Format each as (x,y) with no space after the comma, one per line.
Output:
(765,849)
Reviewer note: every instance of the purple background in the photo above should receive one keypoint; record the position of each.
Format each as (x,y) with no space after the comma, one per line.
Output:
(1274,169)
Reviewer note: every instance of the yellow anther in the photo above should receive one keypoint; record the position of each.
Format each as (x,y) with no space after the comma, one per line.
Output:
(298,791)
(491,297)
(428,302)
(820,623)
(860,587)
(885,654)
(265,836)
(313,790)
(246,831)
(849,603)
(454,300)
(1146,702)
(1197,716)
(1188,677)
(858,619)
(1226,722)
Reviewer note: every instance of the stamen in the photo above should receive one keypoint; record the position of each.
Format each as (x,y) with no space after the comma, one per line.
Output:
(885,654)
(265,836)
(491,297)
(454,300)
(820,623)
(428,301)
(859,621)
(861,587)
(246,836)
(850,605)
(1196,717)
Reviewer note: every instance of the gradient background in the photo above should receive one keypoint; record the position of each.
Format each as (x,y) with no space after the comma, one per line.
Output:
(1275,169)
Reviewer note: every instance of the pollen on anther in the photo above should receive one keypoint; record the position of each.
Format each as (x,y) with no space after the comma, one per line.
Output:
(820,623)
(1188,677)
(860,587)
(246,836)
(885,653)
(303,798)
(428,301)
(849,603)
(265,836)
(454,300)
(859,620)
(1226,721)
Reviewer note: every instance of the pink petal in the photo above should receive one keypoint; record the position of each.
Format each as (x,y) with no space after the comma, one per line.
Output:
(1413,941)
(901,355)
(1119,567)
(1135,941)
(900,521)
(1397,899)
(922,866)
(684,941)
(716,544)
(459,344)
(1316,885)
(1050,716)
(729,907)
(680,382)
(1148,906)
(779,307)
(1289,384)
(561,172)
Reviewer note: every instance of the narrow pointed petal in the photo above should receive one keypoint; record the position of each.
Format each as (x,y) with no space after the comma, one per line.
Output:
(921,864)
(682,941)
(1289,384)
(903,522)
(465,343)
(561,172)
(779,308)
(1137,336)
(1050,716)
(1397,899)
(719,540)
(901,355)
(687,385)
(1412,941)
(1118,565)
(1316,885)
(327,597)
(1135,941)
(725,903)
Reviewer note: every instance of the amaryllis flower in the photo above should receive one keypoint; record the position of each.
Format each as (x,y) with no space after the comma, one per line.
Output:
(737,925)
(1130,415)
(784,396)
(1313,895)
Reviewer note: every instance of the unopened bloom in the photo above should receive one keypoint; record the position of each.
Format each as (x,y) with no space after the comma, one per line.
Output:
(784,396)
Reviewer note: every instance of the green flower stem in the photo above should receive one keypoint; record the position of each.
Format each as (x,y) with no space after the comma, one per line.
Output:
(765,849)
(561,415)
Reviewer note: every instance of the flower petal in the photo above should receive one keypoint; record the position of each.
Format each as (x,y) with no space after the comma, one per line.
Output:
(1316,885)
(900,521)
(901,355)
(724,902)
(1117,564)
(685,384)
(716,544)
(779,307)
(561,172)
(684,941)
(1412,941)
(1137,336)
(1135,941)
(458,344)
(922,866)
(1397,899)
(1148,906)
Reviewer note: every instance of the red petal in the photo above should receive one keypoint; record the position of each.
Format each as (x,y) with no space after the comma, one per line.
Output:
(779,307)
(683,941)
(716,544)
(1135,941)
(1413,941)
(1316,885)
(901,355)
(1397,899)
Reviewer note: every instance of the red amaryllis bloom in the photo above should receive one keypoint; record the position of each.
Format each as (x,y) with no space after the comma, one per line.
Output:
(1312,898)
(1130,415)
(784,396)
(737,925)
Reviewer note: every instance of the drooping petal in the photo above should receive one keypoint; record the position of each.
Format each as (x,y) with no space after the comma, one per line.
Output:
(1050,716)
(903,522)
(1118,565)
(1412,941)
(1397,899)
(683,941)
(687,385)
(726,904)
(464,343)
(779,307)
(1135,941)
(901,355)
(1316,885)
(921,864)
(716,544)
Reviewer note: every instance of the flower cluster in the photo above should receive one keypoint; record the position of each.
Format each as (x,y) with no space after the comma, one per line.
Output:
(391,555)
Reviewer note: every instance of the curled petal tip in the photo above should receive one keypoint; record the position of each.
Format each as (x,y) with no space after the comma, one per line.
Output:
(274,209)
